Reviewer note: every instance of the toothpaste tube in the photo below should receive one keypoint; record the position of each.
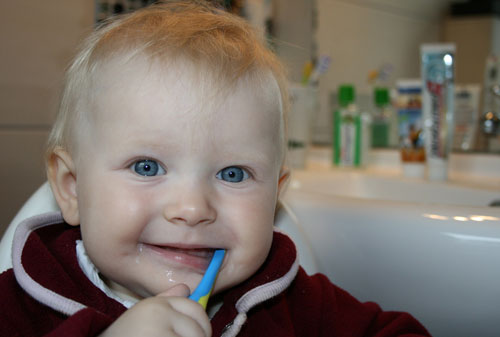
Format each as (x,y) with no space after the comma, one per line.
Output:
(410,127)
(438,61)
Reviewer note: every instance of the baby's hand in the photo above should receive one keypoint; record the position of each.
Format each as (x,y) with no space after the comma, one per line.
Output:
(167,314)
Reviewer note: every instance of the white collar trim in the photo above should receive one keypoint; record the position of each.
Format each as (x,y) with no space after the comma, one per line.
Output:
(90,270)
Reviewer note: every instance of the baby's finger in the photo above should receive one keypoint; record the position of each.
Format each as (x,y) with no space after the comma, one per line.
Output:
(186,326)
(193,310)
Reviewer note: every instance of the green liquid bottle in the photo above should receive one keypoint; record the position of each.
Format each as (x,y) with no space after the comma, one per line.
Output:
(381,127)
(347,130)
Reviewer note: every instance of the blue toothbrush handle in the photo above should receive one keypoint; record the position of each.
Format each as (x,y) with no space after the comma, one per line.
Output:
(204,289)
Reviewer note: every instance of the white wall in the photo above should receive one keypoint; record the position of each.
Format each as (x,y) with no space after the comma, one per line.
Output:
(293,23)
(362,35)
(38,39)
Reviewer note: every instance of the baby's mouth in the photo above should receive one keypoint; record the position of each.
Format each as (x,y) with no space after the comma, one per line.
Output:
(206,253)
(196,258)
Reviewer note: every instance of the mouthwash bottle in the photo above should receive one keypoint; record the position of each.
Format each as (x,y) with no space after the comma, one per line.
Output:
(347,129)
(383,125)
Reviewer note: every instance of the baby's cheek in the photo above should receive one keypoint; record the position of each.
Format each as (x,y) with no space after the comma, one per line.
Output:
(240,267)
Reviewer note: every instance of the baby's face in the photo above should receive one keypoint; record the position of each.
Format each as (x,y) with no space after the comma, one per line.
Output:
(163,179)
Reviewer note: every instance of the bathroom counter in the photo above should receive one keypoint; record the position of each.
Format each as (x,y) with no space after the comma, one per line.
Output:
(475,170)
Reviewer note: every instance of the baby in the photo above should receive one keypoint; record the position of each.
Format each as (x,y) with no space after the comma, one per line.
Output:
(169,144)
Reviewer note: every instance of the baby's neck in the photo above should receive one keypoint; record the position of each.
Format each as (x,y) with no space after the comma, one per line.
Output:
(120,291)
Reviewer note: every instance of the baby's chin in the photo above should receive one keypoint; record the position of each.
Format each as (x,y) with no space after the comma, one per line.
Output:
(232,277)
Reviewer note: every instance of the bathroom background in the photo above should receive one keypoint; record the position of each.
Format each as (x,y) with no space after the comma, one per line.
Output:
(38,39)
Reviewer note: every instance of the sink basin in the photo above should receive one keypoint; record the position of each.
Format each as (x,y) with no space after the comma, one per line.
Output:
(428,248)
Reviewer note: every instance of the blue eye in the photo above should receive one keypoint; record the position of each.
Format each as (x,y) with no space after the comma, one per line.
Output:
(232,174)
(147,168)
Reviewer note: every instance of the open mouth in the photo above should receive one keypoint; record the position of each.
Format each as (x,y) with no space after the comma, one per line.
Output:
(196,258)
(206,253)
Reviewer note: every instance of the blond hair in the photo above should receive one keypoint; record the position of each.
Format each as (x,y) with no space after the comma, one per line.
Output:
(221,44)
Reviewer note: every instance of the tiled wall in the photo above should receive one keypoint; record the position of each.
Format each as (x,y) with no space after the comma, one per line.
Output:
(38,39)
(363,35)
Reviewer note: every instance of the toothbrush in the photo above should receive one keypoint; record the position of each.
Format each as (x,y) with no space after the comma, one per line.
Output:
(204,289)
(320,69)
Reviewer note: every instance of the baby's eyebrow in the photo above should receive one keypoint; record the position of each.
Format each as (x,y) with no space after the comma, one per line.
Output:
(247,156)
(150,142)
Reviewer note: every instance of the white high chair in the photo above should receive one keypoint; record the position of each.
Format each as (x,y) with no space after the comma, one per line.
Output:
(43,201)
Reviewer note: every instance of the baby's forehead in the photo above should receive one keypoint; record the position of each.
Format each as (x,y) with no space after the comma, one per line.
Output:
(141,72)
(124,88)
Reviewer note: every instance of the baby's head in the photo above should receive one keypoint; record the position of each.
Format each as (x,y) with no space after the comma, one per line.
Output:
(170,143)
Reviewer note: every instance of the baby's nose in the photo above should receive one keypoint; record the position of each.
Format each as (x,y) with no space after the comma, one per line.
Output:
(190,207)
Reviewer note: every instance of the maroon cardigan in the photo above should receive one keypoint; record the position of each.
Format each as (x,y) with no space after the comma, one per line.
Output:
(279,300)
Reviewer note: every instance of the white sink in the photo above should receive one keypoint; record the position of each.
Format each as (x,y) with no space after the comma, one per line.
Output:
(429,248)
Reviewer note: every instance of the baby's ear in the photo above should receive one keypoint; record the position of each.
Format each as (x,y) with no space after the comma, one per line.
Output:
(62,177)
(283,181)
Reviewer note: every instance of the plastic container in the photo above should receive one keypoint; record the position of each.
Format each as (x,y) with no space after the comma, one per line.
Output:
(411,140)
(384,120)
(347,140)
(438,96)
(490,119)
(303,107)
(467,99)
